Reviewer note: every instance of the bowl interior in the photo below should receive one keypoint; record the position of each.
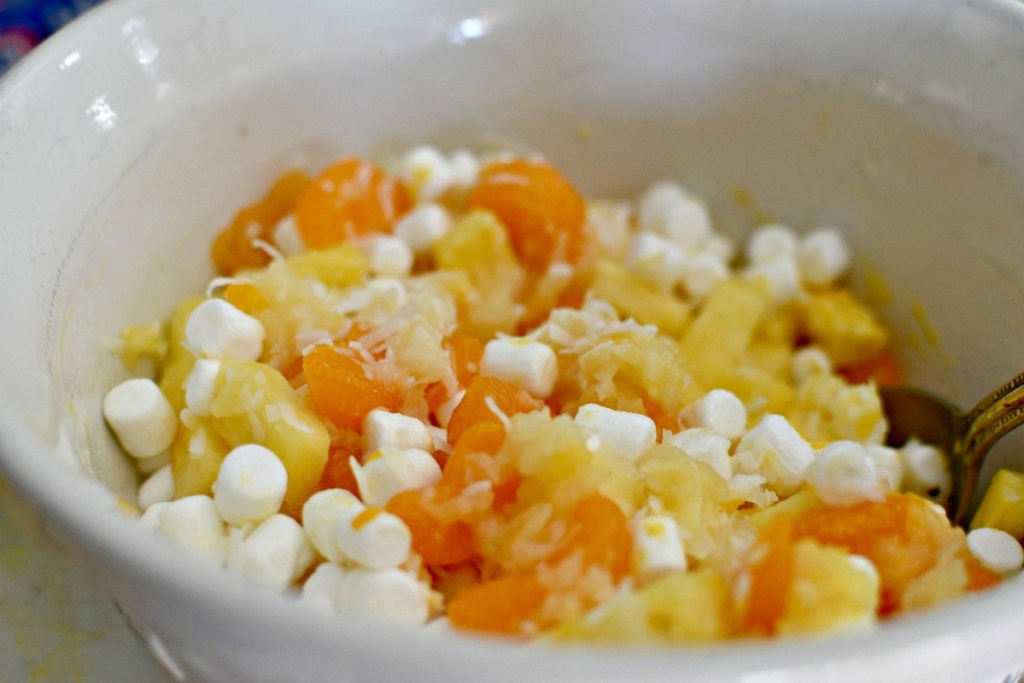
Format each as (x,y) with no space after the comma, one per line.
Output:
(131,139)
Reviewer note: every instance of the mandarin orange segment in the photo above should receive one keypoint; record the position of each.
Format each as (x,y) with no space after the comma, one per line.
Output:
(233,249)
(771,574)
(502,605)
(600,531)
(246,297)
(882,370)
(466,353)
(338,472)
(980,577)
(474,409)
(340,390)
(462,469)
(351,198)
(439,543)
(544,214)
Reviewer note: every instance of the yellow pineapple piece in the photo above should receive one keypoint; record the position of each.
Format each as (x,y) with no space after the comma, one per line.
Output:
(254,403)
(944,581)
(196,456)
(830,591)
(179,360)
(723,328)
(143,341)
(1003,505)
(634,298)
(681,607)
(762,392)
(339,266)
(827,409)
(801,501)
(843,327)
(418,352)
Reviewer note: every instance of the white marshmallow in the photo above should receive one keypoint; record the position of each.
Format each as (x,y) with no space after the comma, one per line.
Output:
(428,172)
(465,167)
(422,227)
(770,243)
(996,550)
(522,361)
(655,259)
(390,257)
(151,517)
(275,554)
(141,416)
(888,464)
(720,410)
(389,593)
(706,446)
(153,463)
(810,361)
(320,515)
(627,434)
(668,209)
(776,451)
(751,488)
(721,246)
(192,522)
(390,471)
(323,586)
(373,538)
(782,277)
(384,429)
(926,471)
(202,385)
(657,201)
(701,272)
(216,329)
(250,485)
(657,547)
(158,488)
(843,473)
(287,237)
(823,257)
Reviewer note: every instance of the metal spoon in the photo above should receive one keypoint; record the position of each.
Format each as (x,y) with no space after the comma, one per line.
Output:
(965,437)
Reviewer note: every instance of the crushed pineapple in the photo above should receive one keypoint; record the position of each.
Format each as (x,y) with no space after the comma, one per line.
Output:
(521,521)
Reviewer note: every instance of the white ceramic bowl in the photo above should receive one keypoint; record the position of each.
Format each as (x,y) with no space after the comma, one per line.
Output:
(130,137)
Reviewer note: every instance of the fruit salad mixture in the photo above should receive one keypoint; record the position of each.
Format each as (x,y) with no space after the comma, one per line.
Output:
(454,391)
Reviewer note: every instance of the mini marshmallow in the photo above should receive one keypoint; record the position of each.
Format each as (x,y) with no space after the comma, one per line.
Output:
(781,275)
(250,485)
(669,210)
(384,429)
(655,259)
(810,361)
(422,227)
(522,361)
(323,586)
(320,516)
(287,237)
(465,167)
(720,410)
(141,416)
(192,522)
(843,473)
(775,450)
(389,471)
(823,257)
(390,257)
(389,593)
(926,471)
(701,272)
(158,488)
(216,329)
(428,172)
(202,385)
(889,465)
(996,550)
(721,246)
(151,517)
(706,446)
(275,554)
(372,537)
(657,547)
(627,434)
(770,243)
(153,463)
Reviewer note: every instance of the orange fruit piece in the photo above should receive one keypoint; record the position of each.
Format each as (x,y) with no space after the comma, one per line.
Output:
(233,248)
(599,529)
(246,297)
(439,543)
(473,409)
(501,605)
(462,469)
(341,391)
(353,197)
(466,353)
(980,577)
(337,472)
(882,370)
(771,573)
(544,214)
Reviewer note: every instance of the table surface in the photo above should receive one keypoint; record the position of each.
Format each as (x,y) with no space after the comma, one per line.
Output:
(56,626)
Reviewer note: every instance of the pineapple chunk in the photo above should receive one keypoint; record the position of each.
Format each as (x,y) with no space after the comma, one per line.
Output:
(681,607)
(830,591)
(1003,505)
(632,297)
(942,582)
(196,456)
(799,502)
(843,327)
(179,361)
(340,266)
(143,341)
(722,331)
(827,409)
(761,391)
(254,403)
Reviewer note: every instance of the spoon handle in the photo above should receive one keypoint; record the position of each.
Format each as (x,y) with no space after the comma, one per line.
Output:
(995,397)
